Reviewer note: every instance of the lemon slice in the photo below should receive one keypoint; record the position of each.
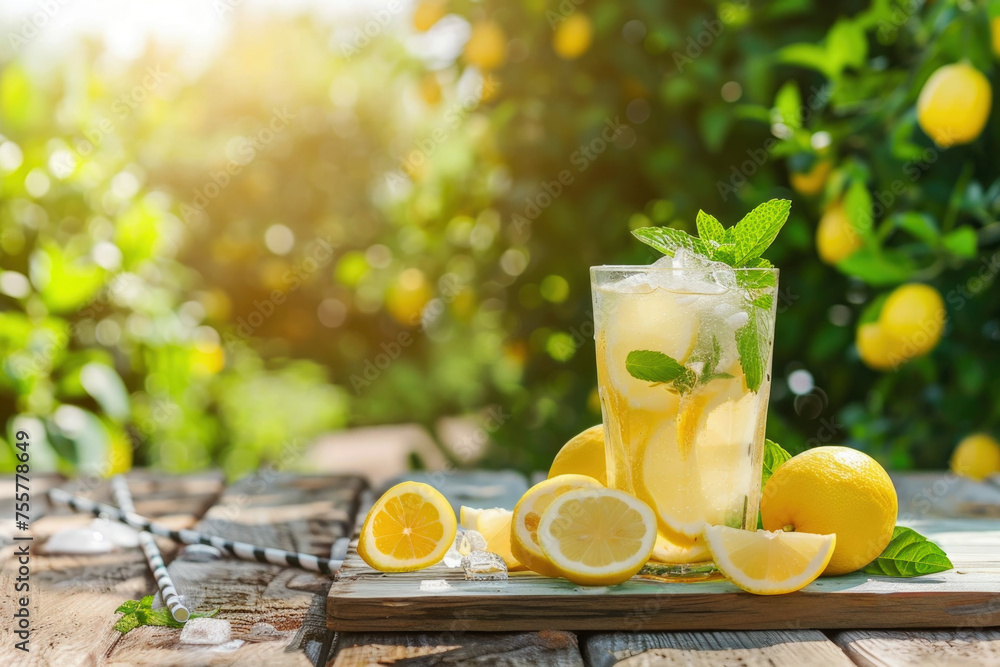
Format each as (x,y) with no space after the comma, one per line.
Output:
(769,563)
(528,514)
(668,551)
(494,525)
(409,528)
(597,537)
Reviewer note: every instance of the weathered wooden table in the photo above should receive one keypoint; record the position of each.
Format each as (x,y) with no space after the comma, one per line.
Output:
(74,597)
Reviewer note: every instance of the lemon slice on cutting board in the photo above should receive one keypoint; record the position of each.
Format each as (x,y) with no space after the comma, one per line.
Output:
(769,563)
(494,525)
(409,528)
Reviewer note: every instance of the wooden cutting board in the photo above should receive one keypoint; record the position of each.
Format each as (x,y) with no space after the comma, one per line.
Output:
(967,596)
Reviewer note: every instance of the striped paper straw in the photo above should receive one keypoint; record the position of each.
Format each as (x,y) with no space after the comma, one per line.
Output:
(241,550)
(119,489)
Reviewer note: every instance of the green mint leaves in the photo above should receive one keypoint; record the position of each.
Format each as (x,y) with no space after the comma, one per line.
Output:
(661,368)
(739,246)
(140,612)
(909,554)
(774,456)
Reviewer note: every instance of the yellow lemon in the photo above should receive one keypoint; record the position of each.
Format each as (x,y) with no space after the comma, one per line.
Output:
(427,13)
(836,238)
(668,551)
(597,536)
(877,350)
(406,298)
(954,104)
(573,36)
(583,455)
(995,35)
(430,89)
(913,317)
(976,457)
(409,528)
(494,525)
(833,490)
(486,46)
(811,182)
(769,563)
(528,514)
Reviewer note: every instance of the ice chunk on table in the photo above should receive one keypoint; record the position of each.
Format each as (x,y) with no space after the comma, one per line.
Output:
(471,541)
(484,566)
(78,541)
(206,631)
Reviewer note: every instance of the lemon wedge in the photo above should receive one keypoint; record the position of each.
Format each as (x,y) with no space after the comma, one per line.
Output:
(494,525)
(528,513)
(769,563)
(597,537)
(409,528)
(670,551)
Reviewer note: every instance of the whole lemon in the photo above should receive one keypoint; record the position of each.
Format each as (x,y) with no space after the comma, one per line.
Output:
(913,317)
(812,181)
(977,457)
(954,104)
(834,490)
(876,349)
(573,36)
(486,46)
(836,238)
(995,35)
(583,454)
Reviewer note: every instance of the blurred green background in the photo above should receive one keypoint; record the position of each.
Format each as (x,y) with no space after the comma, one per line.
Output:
(301,220)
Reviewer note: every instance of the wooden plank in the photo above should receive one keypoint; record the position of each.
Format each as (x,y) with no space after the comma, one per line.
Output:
(73,598)
(277,613)
(695,649)
(548,647)
(968,596)
(924,495)
(898,648)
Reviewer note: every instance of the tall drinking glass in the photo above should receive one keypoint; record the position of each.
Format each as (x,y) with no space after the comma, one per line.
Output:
(692,446)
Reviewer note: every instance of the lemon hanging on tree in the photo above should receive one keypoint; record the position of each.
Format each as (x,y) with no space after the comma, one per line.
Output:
(976,457)
(486,46)
(909,325)
(954,104)
(836,237)
(573,36)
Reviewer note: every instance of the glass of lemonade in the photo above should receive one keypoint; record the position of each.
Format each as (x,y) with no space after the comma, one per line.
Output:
(691,448)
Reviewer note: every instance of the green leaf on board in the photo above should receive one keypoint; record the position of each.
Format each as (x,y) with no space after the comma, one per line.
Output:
(141,612)
(909,554)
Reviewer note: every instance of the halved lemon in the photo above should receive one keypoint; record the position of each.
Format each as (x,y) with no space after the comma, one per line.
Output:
(769,563)
(528,514)
(494,525)
(597,537)
(409,528)
(668,551)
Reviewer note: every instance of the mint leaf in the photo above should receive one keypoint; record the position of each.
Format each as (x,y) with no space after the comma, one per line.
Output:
(758,229)
(710,229)
(667,240)
(749,348)
(141,612)
(774,456)
(764,302)
(126,623)
(654,366)
(128,607)
(909,554)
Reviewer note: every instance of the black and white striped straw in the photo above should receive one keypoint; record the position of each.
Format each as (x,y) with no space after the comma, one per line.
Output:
(171,598)
(241,550)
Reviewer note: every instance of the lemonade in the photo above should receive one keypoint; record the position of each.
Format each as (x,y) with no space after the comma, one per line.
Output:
(683,362)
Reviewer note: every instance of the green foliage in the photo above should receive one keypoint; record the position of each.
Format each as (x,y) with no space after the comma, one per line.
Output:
(140,612)
(469,228)
(909,554)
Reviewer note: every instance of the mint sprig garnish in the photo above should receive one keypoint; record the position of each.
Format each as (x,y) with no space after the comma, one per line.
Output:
(140,612)
(661,368)
(739,246)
